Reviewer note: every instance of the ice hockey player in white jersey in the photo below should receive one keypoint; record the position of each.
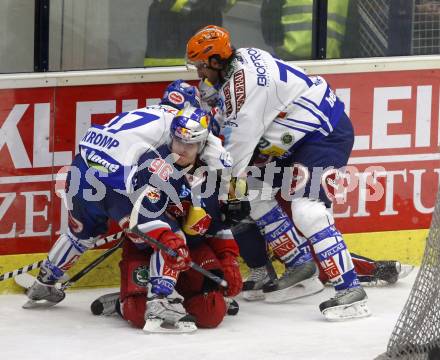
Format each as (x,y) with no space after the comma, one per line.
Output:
(276,115)
(102,175)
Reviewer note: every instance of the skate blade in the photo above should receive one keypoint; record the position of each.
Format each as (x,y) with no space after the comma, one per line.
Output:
(302,289)
(38,304)
(356,310)
(405,270)
(159,326)
(252,295)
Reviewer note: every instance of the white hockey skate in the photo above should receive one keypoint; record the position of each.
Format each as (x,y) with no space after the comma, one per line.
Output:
(347,304)
(43,295)
(253,285)
(26,280)
(296,282)
(167,315)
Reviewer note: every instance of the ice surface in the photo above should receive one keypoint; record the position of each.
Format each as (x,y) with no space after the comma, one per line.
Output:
(296,330)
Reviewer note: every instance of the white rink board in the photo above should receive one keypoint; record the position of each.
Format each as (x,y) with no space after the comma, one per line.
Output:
(144,75)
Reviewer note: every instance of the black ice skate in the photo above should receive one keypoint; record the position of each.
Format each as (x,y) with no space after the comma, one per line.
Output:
(389,272)
(167,315)
(347,304)
(295,283)
(232,306)
(106,304)
(386,273)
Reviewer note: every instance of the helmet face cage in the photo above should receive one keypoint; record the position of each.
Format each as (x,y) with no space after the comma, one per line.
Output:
(208,41)
(180,94)
(191,126)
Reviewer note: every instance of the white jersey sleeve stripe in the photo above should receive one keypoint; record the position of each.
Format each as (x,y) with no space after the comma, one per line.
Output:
(309,128)
(321,130)
(325,124)
(317,109)
(305,123)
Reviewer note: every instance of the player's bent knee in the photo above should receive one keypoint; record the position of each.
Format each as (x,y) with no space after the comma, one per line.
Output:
(133,310)
(208,309)
(310,216)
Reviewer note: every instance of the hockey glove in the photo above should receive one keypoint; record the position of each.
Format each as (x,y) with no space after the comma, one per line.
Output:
(232,275)
(238,189)
(208,92)
(176,243)
(234,211)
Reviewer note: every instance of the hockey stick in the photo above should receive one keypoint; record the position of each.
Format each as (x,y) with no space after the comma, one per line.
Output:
(171,252)
(36,304)
(38,264)
(135,229)
(21,270)
(271,270)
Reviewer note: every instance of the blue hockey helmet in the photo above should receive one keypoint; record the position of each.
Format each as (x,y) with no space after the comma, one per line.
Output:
(191,125)
(180,94)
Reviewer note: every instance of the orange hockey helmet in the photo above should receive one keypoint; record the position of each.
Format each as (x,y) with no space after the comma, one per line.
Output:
(208,41)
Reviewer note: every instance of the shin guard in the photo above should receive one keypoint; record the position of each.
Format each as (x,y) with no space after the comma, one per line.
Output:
(134,279)
(334,258)
(283,239)
(63,255)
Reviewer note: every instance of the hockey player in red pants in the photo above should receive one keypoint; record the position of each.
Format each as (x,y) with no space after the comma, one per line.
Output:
(202,298)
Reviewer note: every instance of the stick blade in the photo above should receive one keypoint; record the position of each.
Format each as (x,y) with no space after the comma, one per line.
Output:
(38,304)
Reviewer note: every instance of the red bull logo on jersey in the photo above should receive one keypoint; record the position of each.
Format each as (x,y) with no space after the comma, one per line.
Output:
(152,194)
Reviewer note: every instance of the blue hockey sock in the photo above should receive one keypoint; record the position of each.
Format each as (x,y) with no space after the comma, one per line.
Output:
(283,239)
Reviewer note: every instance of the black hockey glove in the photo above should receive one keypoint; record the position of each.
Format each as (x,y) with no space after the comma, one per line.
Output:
(234,211)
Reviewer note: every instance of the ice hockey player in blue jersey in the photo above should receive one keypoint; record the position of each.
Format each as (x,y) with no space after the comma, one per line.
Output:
(277,117)
(178,214)
(102,176)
